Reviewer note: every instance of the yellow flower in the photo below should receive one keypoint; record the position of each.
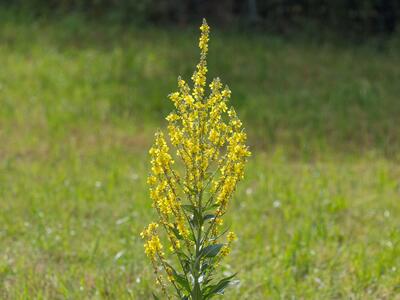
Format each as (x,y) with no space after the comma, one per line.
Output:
(213,136)
(152,245)
(151,180)
(225,250)
(172,117)
(231,236)
(203,42)
(210,146)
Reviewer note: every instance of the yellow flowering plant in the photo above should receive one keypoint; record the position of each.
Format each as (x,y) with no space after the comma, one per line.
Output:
(191,196)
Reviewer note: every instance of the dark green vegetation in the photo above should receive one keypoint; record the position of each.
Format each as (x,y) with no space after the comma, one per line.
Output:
(317,216)
(356,17)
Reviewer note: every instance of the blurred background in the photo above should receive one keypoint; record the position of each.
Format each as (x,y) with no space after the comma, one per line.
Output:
(84,85)
(364,17)
(313,74)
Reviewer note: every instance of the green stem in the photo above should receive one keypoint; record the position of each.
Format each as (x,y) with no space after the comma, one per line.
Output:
(196,295)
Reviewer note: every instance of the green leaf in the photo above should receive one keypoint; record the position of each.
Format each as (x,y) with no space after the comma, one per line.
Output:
(212,206)
(197,219)
(186,265)
(211,251)
(181,280)
(155,297)
(189,208)
(218,288)
(208,217)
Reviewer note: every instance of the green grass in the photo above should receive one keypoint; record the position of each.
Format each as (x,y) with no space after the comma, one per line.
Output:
(318,215)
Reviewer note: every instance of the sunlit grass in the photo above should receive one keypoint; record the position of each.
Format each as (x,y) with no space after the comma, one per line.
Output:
(71,216)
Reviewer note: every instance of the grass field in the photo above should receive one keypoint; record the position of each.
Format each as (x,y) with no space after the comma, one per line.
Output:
(318,215)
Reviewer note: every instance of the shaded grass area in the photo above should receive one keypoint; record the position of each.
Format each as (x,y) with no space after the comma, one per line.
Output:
(311,98)
(317,215)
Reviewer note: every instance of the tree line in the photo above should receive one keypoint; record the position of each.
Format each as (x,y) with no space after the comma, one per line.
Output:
(368,16)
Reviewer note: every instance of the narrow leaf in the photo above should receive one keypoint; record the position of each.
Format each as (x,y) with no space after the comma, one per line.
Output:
(211,251)
(181,280)
(220,287)
(208,217)
(188,207)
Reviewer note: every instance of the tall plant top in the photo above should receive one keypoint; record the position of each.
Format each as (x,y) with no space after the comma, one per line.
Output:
(192,186)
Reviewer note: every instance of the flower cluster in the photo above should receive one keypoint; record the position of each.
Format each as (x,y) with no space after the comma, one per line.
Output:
(192,197)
